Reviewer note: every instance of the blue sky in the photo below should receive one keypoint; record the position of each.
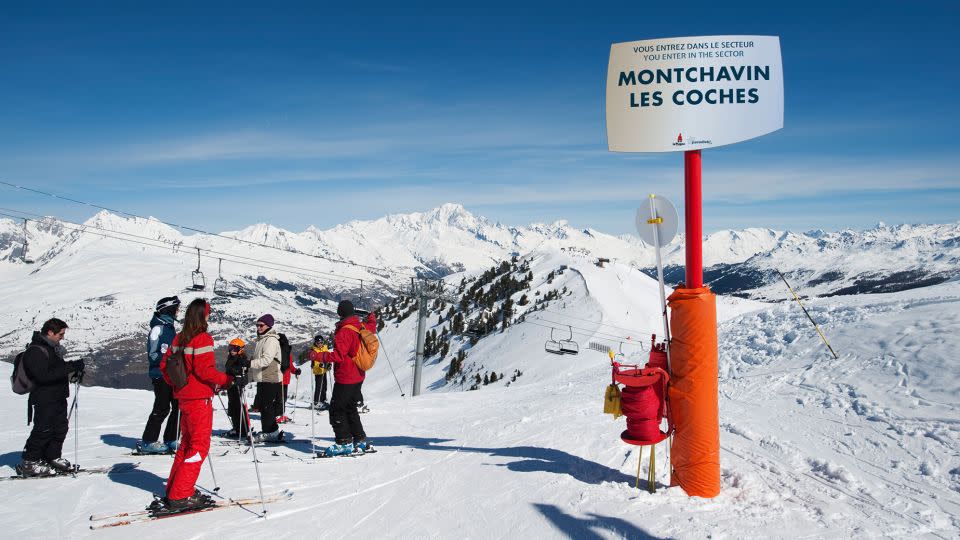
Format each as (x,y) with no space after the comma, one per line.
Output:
(298,114)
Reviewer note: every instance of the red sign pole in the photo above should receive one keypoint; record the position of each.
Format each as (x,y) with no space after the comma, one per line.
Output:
(693,217)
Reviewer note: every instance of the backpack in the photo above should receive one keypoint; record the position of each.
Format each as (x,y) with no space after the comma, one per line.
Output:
(177,368)
(285,353)
(369,346)
(19,380)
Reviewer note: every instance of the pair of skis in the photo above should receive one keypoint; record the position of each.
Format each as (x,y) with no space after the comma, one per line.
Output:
(103,521)
(121,468)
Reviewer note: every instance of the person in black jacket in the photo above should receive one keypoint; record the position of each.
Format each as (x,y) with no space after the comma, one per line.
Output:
(43,363)
(237,365)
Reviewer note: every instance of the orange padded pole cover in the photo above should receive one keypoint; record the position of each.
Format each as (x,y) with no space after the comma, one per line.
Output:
(695,453)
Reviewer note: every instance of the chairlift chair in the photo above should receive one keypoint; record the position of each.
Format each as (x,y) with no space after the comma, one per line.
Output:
(569,346)
(220,284)
(552,346)
(199,282)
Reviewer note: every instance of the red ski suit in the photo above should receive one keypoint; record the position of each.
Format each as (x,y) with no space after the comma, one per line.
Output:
(196,412)
(346,343)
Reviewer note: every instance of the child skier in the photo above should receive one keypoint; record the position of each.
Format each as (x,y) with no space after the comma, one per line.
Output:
(237,366)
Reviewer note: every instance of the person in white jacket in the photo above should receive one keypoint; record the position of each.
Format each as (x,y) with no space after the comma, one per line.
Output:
(265,370)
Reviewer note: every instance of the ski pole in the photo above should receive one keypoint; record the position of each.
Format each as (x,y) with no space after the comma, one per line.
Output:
(224,407)
(296,391)
(805,312)
(76,425)
(256,464)
(313,413)
(216,486)
(387,356)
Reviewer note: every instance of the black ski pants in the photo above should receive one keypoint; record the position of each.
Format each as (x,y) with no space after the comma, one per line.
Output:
(258,397)
(164,406)
(49,431)
(238,416)
(319,388)
(271,405)
(344,417)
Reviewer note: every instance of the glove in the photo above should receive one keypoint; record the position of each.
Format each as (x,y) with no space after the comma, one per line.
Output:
(297,372)
(75,370)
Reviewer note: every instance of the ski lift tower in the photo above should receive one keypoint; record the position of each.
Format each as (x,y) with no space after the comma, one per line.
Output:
(684,95)
(424,290)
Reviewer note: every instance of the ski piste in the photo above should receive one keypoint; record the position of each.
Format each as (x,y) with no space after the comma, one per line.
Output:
(143,516)
(121,468)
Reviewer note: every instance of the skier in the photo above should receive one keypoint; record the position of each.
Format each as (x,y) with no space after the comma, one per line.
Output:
(348,378)
(265,369)
(47,405)
(319,373)
(196,408)
(237,366)
(164,406)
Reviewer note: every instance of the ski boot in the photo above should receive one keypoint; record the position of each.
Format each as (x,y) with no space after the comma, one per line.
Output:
(362,408)
(164,506)
(155,447)
(29,468)
(363,447)
(62,466)
(273,437)
(336,450)
(322,406)
(172,446)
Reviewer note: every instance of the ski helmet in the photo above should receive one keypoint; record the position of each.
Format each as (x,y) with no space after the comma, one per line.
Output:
(168,304)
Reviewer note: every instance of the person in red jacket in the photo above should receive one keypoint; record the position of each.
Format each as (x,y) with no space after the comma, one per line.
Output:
(196,408)
(348,378)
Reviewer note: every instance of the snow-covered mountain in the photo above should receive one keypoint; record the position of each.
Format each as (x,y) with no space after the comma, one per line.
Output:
(104,276)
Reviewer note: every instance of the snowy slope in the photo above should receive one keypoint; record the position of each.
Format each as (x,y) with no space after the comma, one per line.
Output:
(863,446)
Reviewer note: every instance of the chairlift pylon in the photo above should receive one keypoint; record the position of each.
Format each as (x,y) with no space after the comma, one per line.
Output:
(26,243)
(552,346)
(199,282)
(569,346)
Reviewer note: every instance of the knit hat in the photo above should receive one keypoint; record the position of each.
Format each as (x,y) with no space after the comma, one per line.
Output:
(345,309)
(168,304)
(266,319)
(317,339)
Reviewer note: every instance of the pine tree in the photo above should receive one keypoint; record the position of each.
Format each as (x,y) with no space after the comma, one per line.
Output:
(486,379)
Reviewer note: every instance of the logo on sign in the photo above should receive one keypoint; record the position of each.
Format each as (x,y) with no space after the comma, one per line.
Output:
(679,140)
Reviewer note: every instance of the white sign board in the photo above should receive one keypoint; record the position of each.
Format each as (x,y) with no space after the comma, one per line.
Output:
(678,94)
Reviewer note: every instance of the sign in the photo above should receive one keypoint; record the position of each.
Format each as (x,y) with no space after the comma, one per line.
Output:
(665,218)
(679,94)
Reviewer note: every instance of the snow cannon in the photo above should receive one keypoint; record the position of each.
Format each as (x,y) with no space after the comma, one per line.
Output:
(643,402)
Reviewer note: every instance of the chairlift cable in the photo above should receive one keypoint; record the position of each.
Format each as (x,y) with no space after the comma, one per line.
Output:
(164,246)
(560,325)
(82,228)
(587,320)
(194,229)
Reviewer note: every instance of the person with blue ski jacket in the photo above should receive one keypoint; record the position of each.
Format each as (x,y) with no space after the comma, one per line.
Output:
(164,405)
